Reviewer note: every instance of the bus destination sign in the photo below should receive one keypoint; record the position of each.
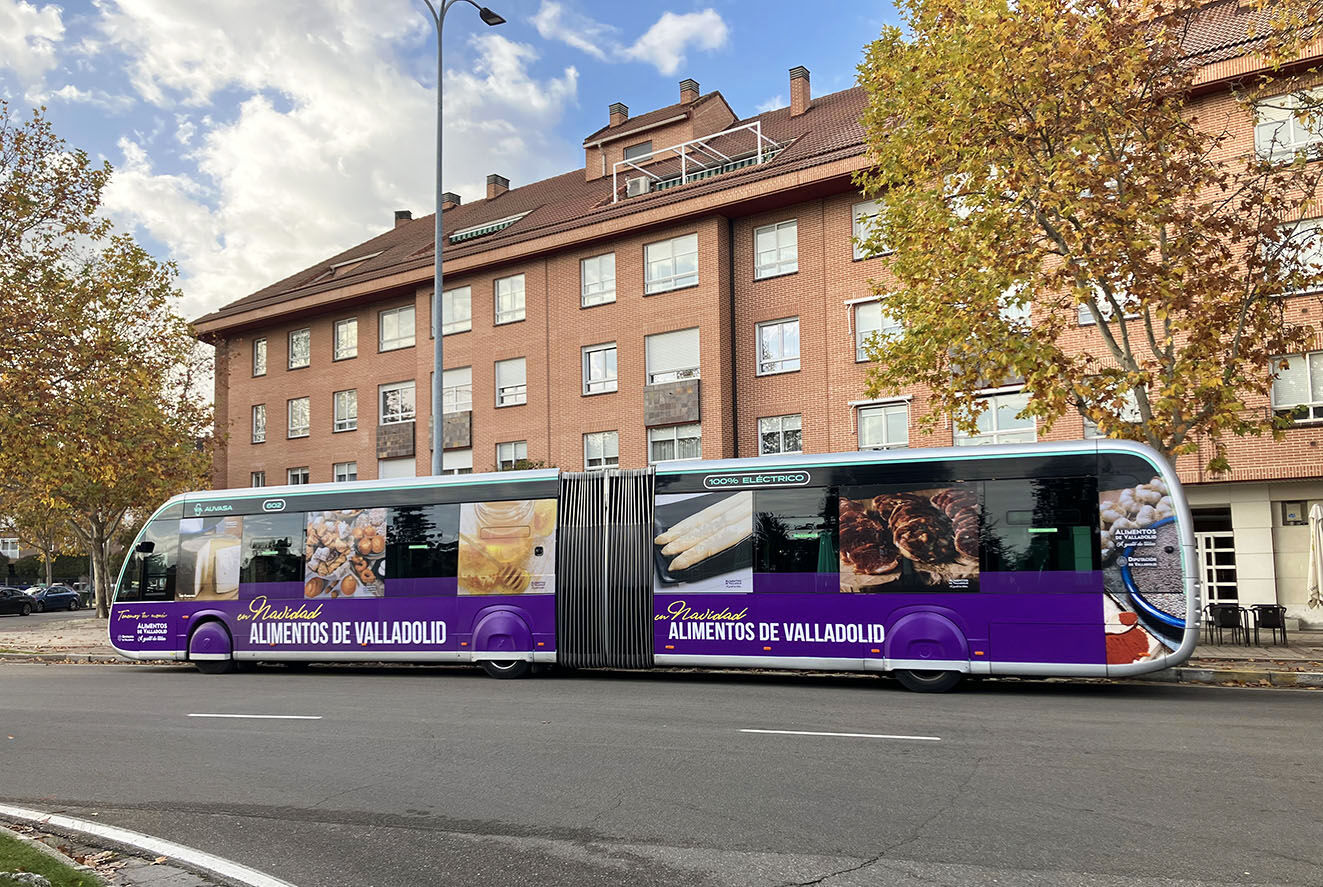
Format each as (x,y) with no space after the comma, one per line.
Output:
(755,480)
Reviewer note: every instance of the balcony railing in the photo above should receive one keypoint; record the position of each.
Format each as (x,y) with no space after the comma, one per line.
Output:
(722,152)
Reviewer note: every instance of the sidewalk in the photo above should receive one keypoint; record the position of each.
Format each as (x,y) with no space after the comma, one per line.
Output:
(115,868)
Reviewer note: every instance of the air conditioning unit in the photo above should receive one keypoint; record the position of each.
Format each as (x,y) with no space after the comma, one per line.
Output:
(636,187)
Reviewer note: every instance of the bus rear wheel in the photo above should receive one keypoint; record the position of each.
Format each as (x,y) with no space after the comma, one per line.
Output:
(922,681)
(506,668)
(216,666)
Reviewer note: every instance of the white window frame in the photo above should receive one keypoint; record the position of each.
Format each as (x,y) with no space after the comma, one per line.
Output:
(388,416)
(886,409)
(348,421)
(517,451)
(516,298)
(303,472)
(259,423)
(1104,307)
(603,290)
(863,218)
(1298,134)
(607,383)
(660,377)
(511,395)
(457,398)
(256,479)
(10,547)
(778,425)
(887,325)
(454,458)
(451,300)
(293,431)
(259,347)
(399,340)
(608,447)
(786,363)
(352,351)
(306,335)
(341,472)
(1311,254)
(781,258)
(673,248)
(995,435)
(1129,413)
(672,433)
(1302,412)
(641,149)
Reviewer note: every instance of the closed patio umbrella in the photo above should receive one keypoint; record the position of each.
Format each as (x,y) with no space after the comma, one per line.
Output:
(1315,580)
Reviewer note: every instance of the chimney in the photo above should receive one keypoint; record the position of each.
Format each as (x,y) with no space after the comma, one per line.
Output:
(402,216)
(449,200)
(619,113)
(688,90)
(496,186)
(800,96)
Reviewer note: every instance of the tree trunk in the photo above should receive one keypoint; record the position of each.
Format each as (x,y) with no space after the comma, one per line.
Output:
(101,569)
(49,560)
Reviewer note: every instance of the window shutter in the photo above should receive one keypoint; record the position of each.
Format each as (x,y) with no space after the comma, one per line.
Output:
(668,352)
(510,372)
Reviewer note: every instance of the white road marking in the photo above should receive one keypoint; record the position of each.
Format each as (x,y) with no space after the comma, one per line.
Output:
(151,845)
(260,717)
(848,735)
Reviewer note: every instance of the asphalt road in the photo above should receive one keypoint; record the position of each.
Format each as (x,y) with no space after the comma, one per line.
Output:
(443,776)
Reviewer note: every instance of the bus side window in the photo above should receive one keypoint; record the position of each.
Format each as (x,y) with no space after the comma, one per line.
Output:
(1040,524)
(152,565)
(422,542)
(794,531)
(272,548)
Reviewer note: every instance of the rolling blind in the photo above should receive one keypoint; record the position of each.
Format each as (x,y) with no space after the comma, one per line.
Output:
(668,352)
(510,372)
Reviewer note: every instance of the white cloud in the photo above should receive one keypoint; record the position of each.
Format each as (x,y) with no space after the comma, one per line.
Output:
(75,95)
(663,45)
(331,136)
(28,39)
(776,101)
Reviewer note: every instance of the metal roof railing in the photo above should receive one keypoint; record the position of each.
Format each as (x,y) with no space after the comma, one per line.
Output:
(699,159)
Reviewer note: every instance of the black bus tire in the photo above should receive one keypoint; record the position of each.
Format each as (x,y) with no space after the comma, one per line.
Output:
(507,669)
(213,666)
(927,681)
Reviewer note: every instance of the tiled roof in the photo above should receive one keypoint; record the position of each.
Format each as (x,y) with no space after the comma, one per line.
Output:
(632,123)
(828,130)
(1221,30)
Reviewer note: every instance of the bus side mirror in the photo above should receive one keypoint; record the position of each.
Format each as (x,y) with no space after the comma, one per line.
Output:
(146,546)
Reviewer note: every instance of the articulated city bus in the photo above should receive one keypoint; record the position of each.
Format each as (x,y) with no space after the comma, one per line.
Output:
(1034,559)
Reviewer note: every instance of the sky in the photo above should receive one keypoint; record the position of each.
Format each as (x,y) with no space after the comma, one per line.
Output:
(253,138)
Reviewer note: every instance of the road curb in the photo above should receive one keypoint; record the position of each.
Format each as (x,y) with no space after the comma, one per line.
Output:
(1235,676)
(81,657)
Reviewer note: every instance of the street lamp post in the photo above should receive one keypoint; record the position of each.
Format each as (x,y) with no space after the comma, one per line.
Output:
(438,11)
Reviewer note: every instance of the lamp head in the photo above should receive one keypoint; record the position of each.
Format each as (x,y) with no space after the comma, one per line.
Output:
(491,18)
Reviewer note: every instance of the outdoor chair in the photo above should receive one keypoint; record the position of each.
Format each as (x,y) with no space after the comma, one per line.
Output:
(1272,617)
(1221,617)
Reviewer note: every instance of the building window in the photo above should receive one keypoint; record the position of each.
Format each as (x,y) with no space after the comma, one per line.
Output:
(639,150)
(1279,133)
(598,280)
(259,423)
(456,310)
(259,356)
(671,264)
(599,368)
(510,454)
(457,462)
(299,418)
(9,547)
(780,434)
(601,449)
(672,356)
(675,442)
(345,472)
(346,410)
(1017,313)
(257,478)
(1105,306)
(1297,389)
(300,349)
(395,328)
(298,476)
(403,466)
(1303,255)
(511,382)
(346,338)
(867,219)
(457,390)
(870,320)
(776,249)
(884,427)
(510,298)
(397,402)
(1129,413)
(778,346)
(1000,422)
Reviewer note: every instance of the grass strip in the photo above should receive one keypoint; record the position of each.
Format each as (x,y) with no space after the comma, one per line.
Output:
(19,856)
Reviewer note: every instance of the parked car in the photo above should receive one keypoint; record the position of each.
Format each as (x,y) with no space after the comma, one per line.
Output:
(57,597)
(13,600)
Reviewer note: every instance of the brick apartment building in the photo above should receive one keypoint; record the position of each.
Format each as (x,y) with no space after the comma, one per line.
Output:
(693,290)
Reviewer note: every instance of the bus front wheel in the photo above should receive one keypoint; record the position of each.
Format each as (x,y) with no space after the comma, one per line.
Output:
(922,681)
(506,668)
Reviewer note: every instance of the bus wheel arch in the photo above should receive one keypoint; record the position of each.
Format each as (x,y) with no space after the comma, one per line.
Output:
(927,652)
(501,631)
(211,648)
